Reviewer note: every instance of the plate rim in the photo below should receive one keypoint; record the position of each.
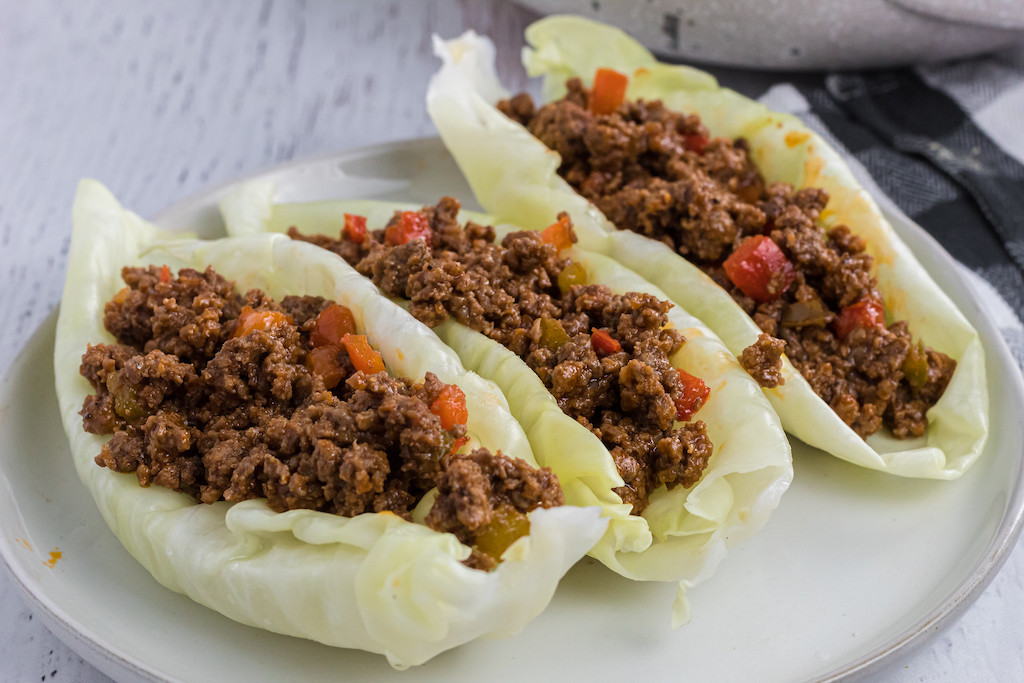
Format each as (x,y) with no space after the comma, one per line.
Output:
(1005,539)
(97,650)
(100,653)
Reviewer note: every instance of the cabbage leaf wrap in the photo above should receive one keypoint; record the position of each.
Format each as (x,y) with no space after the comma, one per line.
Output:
(684,533)
(514,177)
(375,581)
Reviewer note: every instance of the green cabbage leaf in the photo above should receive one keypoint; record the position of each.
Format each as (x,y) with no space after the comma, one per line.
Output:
(684,533)
(514,177)
(375,581)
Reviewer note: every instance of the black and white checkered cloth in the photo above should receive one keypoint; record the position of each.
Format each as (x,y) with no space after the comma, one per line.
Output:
(946,144)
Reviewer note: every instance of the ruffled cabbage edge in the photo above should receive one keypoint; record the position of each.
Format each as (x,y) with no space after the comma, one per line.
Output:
(514,176)
(373,582)
(684,533)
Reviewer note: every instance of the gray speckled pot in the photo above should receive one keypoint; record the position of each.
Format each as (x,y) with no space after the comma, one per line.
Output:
(808,34)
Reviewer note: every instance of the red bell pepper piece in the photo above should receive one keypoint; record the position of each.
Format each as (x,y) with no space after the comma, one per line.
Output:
(363,356)
(864,313)
(559,233)
(695,142)
(760,269)
(411,225)
(603,343)
(323,362)
(691,396)
(609,91)
(165,275)
(450,406)
(459,443)
(333,323)
(355,228)
(250,320)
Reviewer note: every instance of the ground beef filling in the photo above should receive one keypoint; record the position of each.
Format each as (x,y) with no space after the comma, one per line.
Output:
(656,172)
(197,407)
(521,294)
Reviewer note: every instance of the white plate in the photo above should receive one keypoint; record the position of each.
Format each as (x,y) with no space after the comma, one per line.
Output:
(853,569)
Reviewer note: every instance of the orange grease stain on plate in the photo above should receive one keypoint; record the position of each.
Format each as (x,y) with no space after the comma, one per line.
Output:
(55,555)
(24,543)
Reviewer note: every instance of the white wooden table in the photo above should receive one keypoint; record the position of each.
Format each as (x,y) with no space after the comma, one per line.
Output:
(161,100)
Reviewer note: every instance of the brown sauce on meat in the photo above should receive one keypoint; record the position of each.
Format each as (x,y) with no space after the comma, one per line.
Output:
(656,172)
(197,407)
(622,387)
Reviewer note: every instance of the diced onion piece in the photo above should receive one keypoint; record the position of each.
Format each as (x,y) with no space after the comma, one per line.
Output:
(505,526)
(805,313)
(572,274)
(552,335)
(363,356)
(760,269)
(915,366)
(126,399)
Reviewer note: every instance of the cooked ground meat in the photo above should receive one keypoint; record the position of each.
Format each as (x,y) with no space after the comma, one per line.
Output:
(603,356)
(656,172)
(485,497)
(199,404)
(762,360)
